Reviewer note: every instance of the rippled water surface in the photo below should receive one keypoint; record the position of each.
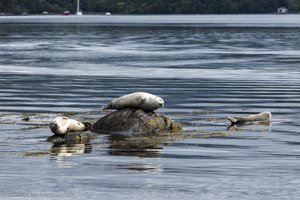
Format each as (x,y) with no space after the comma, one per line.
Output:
(204,73)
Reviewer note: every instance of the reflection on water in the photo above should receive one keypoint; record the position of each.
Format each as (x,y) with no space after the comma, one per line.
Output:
(251,127)
(203,73)
(141,167)
(136,146)
(68,150)
(78,143)
(58,152)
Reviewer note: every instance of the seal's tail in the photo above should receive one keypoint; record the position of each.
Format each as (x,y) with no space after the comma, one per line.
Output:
(103,108)
(233,120)
(88,126)
(106,107)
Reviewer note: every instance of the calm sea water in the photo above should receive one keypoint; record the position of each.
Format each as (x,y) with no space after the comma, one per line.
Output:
(203,71)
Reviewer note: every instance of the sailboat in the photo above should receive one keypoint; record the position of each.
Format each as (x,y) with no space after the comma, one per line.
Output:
(78,11)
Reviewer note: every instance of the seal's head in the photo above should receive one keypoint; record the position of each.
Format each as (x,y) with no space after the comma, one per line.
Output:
(151,102)
(267,115)
(159,101)
(63,125)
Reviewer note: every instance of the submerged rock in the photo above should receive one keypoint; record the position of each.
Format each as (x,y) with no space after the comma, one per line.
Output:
(131,121)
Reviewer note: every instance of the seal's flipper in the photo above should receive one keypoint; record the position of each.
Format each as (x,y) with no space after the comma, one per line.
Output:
(233,120)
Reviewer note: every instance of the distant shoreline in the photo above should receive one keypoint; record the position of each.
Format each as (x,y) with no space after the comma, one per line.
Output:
(120,14)
(239,20)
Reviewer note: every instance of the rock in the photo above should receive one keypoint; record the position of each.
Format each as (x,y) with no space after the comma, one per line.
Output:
(71,138)
(132,121)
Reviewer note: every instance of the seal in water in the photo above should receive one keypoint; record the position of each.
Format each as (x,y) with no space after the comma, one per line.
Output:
(143,100)
(263,116)
(63,125)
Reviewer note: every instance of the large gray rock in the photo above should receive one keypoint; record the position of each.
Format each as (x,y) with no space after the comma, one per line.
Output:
(131,121)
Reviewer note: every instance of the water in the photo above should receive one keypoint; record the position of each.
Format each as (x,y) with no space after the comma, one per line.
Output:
(203,71)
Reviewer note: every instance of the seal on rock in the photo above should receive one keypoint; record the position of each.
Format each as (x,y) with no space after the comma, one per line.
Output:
(263,116)
(63,125)
(143,100)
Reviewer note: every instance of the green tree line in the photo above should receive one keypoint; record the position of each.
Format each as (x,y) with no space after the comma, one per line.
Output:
(148,6)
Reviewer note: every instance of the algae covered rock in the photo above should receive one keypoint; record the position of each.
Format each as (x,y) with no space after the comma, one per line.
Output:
(71,138)
(131,121)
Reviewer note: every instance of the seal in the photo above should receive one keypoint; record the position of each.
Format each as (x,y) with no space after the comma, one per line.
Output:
(63,125)
(142,100)
(263,116)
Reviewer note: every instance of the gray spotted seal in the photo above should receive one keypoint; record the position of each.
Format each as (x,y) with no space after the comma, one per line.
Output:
(143,100)
(63,125)
(263,116)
